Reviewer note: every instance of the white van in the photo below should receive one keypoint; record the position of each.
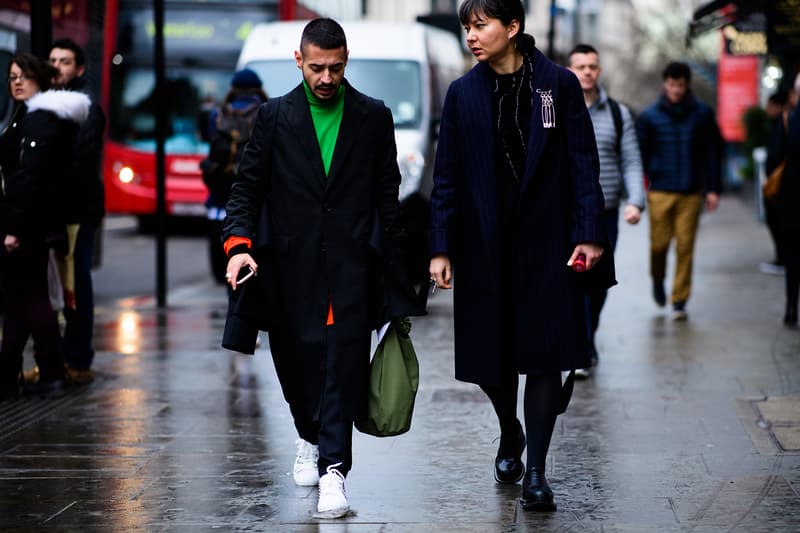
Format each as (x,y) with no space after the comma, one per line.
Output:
(407,65)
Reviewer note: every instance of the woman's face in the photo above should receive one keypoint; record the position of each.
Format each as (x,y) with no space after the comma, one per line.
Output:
(488,38)
(21,86)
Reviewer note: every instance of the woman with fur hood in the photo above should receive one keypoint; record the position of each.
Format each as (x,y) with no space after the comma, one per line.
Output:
(35,150)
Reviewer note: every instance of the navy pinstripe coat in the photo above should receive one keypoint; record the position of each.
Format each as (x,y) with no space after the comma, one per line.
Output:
(561,205)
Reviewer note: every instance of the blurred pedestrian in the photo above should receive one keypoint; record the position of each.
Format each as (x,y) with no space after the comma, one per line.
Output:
(620,166)
(787,205)
(85,208)
(680,145)
(516,200)
(229,128)
(779,106)
(319,176)
(33,151)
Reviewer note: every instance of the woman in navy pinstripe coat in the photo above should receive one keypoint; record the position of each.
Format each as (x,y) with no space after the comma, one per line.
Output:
(516,199)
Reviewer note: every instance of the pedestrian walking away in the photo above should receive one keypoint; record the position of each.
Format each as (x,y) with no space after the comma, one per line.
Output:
(313,213)
(680,145)
(34,150)
(228,131)
(779,106)
(620,168)
(789,221)
(85,207)
(516,203)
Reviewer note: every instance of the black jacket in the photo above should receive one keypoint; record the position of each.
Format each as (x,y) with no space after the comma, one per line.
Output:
(85,201)
(789,193)
(531,302)
(36,153)
(320,239)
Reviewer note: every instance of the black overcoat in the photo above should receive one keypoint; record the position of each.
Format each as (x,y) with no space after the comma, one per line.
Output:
(329,237)
(560,205)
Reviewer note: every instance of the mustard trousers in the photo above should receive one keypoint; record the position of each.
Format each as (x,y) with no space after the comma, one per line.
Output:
(673,215)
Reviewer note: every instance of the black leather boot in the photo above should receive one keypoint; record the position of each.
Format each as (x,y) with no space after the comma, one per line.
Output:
(508,465)
(536,494)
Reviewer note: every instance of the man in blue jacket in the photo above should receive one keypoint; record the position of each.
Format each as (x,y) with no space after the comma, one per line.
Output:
(680,144)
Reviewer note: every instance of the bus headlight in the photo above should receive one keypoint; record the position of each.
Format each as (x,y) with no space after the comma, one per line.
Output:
(126,175)
(412,165)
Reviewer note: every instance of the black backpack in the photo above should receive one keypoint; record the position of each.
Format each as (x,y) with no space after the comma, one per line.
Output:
(233,128)
(616,116)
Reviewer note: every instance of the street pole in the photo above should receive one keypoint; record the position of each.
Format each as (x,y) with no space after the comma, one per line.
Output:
(41,28)
(159,62)
(551,32)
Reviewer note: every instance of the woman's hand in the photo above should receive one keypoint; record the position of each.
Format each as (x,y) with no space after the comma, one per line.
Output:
(590,250)
(235,264)
(440,271)
(11,243)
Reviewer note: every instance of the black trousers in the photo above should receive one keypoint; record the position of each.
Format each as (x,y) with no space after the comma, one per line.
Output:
(791,256)
(773,220)
(597,298)
(332,430)
(28,313)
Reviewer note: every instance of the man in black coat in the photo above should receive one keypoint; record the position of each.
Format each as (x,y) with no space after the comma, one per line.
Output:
(318,186)
(84,205)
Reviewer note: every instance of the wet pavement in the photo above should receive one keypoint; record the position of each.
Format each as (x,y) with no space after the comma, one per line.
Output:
(684,427)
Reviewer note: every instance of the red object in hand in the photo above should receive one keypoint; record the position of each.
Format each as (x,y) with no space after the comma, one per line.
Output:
(579,265)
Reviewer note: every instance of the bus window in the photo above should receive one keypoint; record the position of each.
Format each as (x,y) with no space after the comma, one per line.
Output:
(187,90)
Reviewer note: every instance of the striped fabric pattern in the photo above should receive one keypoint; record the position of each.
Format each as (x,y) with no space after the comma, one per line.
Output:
(616,170)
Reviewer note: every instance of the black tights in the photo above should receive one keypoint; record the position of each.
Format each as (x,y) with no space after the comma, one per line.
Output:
(543,399)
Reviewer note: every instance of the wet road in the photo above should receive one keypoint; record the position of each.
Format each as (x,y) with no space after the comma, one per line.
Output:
(684,427)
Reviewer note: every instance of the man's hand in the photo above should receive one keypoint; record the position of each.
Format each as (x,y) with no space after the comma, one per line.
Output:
(11,243)
(632,214)
(235,264)
(441,272)
(590,250)
(712,201)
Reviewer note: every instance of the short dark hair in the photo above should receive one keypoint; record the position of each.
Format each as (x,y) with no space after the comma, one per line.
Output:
(779,97)
(68,44)
(34,68)
(582,48)
(504,10)
(676,71)
(325,33)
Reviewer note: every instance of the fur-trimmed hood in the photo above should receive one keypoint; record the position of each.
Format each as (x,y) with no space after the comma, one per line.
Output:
(67,105)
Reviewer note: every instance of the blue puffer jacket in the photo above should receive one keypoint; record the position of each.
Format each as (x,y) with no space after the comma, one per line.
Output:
(680,145)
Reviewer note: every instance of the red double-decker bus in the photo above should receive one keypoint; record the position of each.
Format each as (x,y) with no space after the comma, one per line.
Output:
(202,43)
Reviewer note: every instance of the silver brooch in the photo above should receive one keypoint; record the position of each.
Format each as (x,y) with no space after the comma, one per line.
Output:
(548,112)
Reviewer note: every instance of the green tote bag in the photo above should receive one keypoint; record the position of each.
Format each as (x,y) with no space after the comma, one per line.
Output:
(393,382)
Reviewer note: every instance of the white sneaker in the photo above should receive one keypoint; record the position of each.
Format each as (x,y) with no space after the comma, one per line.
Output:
(305,472)
(332,497)
(583,373)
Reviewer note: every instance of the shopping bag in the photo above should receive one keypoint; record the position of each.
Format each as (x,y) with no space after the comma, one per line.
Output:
(393,382)
(54,287)
(772,186)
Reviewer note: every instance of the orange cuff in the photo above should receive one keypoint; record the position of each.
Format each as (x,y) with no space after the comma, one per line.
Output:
(235,241)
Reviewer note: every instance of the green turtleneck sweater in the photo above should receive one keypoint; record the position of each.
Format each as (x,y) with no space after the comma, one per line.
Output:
(327,117)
